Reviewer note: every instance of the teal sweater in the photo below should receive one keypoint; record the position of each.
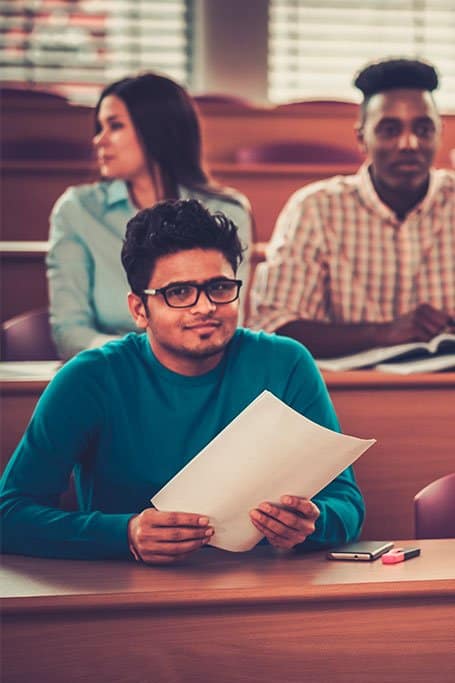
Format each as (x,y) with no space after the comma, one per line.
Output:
(126,424)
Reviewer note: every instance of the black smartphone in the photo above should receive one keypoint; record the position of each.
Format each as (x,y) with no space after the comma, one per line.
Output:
(365,551)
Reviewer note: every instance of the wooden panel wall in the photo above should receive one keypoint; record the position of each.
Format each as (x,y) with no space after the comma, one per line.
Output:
(227,127)
(30,118)
(23,284)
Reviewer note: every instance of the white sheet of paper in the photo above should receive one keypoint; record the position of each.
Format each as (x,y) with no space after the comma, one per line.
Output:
(29,370)
(268,450)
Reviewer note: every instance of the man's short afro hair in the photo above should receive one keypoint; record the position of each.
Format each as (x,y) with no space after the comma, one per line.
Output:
(391,74)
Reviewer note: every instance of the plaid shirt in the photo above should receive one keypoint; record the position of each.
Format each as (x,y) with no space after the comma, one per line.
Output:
(338,254)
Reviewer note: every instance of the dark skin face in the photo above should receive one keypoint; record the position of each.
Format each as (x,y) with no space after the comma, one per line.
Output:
(400,134)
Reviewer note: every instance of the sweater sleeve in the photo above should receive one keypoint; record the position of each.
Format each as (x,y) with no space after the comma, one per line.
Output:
(62,432)
(340,503)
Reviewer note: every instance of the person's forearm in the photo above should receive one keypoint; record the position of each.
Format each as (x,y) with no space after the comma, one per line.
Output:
(34,529)
(338,524)
(342,512)
(326,340)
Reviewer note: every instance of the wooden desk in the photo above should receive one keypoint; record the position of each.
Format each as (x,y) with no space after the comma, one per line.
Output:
(18,398)
(31,119)
(30,189)
(267,186)
(413,419)
(231,618)
(23,284)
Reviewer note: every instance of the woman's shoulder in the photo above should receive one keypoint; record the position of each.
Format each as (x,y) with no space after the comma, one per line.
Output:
(89,194)
(220,199)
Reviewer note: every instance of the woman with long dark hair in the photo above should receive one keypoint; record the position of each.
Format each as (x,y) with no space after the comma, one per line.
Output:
(148,147)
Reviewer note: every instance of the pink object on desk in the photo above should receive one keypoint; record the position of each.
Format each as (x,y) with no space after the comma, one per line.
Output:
(399,555)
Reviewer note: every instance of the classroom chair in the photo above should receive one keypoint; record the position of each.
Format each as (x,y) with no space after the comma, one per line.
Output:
(297,152)
(337,106)
(222,98)
(51,149)
(30,95)
(434,509)
(28,337)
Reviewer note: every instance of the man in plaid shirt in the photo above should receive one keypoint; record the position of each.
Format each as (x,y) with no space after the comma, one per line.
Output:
(369,260)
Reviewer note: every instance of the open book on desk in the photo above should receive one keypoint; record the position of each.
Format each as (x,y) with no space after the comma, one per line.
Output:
(429,364)
(439,352)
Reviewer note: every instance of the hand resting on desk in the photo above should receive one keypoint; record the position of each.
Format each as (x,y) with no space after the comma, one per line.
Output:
(419,325)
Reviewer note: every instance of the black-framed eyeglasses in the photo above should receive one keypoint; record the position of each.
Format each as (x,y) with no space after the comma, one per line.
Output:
(186,294)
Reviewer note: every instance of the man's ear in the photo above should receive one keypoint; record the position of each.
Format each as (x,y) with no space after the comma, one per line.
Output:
(137,310)
(358,129)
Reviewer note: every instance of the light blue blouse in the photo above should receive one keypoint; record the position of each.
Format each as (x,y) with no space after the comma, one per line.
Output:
(87,284)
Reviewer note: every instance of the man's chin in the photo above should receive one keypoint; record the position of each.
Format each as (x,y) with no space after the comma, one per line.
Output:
(411,180)
(204,350)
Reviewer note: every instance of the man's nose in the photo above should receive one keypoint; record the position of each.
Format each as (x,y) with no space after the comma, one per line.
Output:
(203,304)
(408,140)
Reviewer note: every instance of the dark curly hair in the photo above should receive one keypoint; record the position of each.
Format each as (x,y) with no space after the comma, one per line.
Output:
(391,74)
(172,226)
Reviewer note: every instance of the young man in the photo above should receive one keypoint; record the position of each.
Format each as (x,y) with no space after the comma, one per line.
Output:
(128,416)
(369,260)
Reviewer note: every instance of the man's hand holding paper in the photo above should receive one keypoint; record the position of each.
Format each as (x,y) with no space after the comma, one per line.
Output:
(288,524)
(165,537)
(268,450)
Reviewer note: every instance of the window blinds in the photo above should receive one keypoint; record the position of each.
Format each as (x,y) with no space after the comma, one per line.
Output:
(316,46)
(82,44)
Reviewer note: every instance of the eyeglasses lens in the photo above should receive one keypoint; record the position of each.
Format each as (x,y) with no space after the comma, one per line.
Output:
(182,296)
(222,292)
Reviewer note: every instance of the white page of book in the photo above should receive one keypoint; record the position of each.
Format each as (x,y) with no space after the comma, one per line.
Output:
(267,451)
(364,358)
(372,357)
(29,369)
(432,364)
